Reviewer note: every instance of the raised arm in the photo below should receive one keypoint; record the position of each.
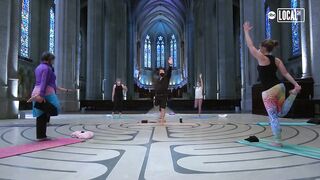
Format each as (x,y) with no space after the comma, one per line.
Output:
(286,74)
(113,91)
(201,81)
(169,71)
(253,50)
(124,87)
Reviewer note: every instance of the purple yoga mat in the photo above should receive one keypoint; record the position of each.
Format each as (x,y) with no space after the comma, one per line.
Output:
(36,146)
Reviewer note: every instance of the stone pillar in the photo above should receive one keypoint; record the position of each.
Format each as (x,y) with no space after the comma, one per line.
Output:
(4,44)
(9,20)
(210,47)
(225,55)
(252,11)
(13,58)
(66,48)
(189,53)
(305,42)
(314,26)
(131,54)
(95,49)
(116,49)
(204,40)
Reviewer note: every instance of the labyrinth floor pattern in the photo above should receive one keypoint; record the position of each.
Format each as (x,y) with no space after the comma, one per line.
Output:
(199,148)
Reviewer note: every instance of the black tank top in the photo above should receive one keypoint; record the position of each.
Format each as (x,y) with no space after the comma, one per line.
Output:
(118,94)
(268,74)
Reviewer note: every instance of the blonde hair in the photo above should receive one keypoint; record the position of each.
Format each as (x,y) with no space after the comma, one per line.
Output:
(269,44)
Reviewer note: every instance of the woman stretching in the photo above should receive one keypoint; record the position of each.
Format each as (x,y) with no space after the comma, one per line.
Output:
(199,95)
(117,97)
(45,91)
(273,94)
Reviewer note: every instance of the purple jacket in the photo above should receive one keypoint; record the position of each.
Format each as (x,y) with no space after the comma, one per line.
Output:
(45,77)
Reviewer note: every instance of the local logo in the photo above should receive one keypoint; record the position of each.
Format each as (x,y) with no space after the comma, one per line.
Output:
(272,15)
(289,15)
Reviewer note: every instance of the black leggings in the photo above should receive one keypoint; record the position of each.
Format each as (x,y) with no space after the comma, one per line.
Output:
(117,105)
(42,125)
(161,101)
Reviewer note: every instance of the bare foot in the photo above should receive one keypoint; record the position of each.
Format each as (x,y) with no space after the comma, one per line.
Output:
(276,144)
(296,90)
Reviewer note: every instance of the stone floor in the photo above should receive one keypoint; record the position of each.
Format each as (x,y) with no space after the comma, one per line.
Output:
(197,149)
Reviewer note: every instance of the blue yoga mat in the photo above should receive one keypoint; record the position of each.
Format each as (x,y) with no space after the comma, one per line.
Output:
(287,124)
(300,150)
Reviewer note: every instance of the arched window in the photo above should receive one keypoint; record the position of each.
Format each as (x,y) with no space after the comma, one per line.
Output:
(147,52)
(160,52)
(295,28)
(173,50)
(51,29)
(268,24)
(25,28)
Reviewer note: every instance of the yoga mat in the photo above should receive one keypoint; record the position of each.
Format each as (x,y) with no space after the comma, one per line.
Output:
(36,146)
(28,125)
(287,124)
(300,150)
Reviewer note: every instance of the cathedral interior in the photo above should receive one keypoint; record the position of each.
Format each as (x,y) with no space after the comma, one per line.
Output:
(99,42)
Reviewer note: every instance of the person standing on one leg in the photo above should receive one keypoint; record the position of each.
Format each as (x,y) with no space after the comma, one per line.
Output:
(199,95)
(161,90)
(45,91)
(273,94)
(117,96)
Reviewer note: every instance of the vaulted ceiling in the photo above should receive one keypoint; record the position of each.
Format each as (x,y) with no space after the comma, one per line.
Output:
(168,15)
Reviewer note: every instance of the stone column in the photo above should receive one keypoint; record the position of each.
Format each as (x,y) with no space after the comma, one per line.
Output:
(131,54)
(66,48)
(314,26)
(9,20)
(305,42)
(116,49)
(252,11)
(13,57)
(189,53)
(4,44)
(95,49)
(226,57)
(210,31)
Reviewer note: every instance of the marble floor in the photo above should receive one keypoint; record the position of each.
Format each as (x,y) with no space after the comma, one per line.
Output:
(198,149)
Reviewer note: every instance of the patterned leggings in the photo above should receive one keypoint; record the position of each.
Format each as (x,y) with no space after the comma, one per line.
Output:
(277,106)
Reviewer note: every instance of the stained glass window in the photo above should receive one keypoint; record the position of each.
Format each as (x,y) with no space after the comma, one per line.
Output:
(147,52)
(160,51)
(268,25)
(173,50)
(25,28)
(51,29)
(295,28)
